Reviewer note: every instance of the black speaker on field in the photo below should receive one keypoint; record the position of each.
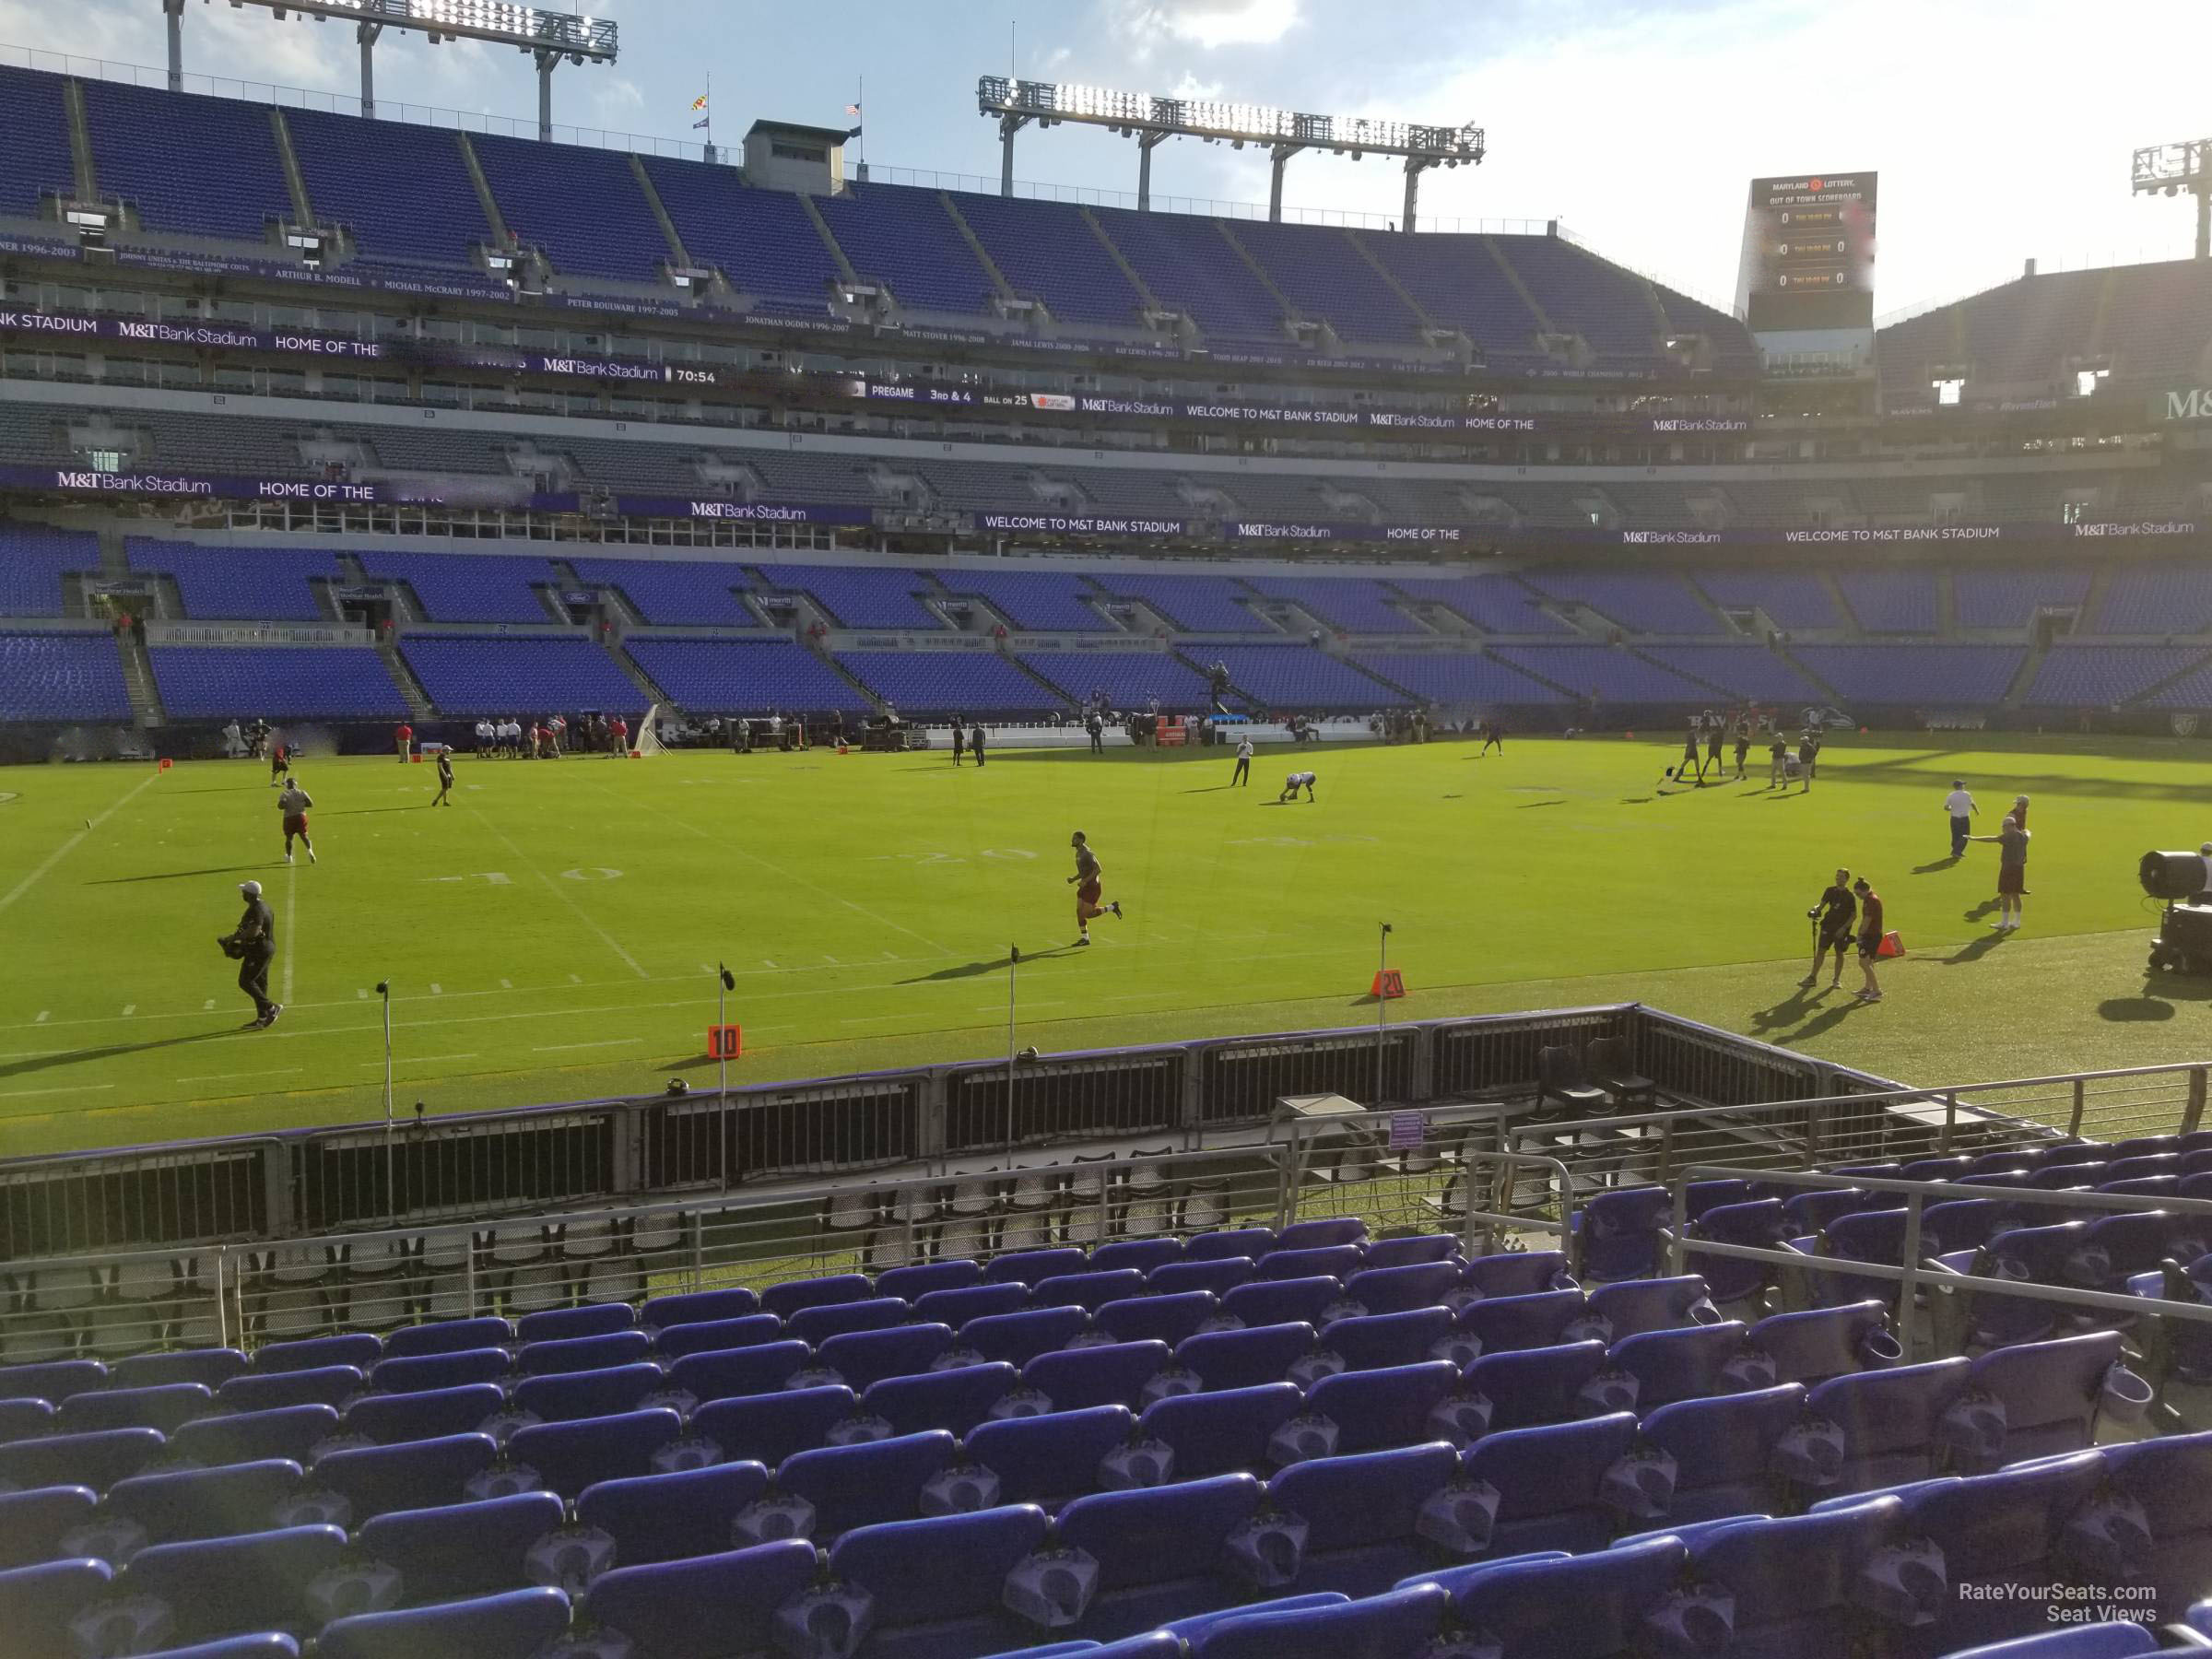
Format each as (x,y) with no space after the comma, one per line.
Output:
(2172,875)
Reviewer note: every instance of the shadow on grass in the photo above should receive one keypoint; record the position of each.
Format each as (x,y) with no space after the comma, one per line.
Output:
(175,874)
(988,965)
(1940,863)
(2134,1009)
(1209,789)
(40,1063)
(1974,950)
(1532,805)
(1988,907)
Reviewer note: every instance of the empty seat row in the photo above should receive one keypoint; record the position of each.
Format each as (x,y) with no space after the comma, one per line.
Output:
(1385,1554)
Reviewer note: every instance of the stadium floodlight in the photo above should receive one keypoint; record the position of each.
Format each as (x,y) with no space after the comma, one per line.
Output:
(2171,169)
(550,38)
(1149,120)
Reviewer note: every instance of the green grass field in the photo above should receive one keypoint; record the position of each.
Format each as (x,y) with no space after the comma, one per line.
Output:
(552,936)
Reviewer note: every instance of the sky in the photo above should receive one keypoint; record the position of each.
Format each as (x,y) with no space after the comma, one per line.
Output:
(2002,129)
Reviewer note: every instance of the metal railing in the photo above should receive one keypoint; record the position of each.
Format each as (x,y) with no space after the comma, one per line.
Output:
(1188,1094)
(1915,1272)
(109,1305)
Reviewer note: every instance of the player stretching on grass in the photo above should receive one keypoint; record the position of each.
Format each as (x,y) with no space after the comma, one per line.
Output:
(1091,885)
(293,802)
(1293,783)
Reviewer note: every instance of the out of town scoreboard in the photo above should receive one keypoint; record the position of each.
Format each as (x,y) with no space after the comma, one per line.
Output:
(1808,253)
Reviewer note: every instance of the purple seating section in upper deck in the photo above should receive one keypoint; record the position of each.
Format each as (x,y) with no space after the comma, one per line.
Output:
(34,141)
(213,167)
(761,239)
(403,191)
(904,238)
(186,162)
(539,194)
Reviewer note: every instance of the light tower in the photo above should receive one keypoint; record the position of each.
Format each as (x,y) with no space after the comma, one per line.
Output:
(2171,169)
(550,38)
(1282,132)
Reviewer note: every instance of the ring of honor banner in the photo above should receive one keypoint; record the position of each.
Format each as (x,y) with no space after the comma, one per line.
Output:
(1809,253)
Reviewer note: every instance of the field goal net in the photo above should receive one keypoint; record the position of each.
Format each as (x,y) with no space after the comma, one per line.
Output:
(648,741)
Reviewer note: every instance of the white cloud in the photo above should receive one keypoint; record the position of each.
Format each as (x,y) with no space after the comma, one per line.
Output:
(1190,88)
(1206,24)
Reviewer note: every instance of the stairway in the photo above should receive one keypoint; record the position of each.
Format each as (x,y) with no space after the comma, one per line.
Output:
(638,676)
(828,660)
(660,212)
(419,706)
(295,181)
(138,680)
(2024,676)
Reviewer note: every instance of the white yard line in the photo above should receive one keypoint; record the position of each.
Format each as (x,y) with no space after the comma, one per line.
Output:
(276,1071)
(556,1047)
(70,845)
(553,888)
(19,1094)
(292,925)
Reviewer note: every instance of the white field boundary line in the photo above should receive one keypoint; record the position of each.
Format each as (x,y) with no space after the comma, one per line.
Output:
(70,845)
(553,886)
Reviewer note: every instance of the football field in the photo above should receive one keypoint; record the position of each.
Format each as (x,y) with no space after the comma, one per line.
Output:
(554,933)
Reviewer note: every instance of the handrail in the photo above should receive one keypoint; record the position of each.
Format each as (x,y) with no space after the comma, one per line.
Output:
(1915,1267)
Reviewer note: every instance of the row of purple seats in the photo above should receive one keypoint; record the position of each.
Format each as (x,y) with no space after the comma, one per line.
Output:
(1350,1524)
(1205,1568)
(954,1291)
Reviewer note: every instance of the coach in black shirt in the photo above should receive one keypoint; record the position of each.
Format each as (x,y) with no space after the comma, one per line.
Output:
(256,940)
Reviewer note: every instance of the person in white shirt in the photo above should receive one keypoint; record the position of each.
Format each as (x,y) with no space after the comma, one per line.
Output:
(293,804)
(1244,772)
(485,736)
(1960,808)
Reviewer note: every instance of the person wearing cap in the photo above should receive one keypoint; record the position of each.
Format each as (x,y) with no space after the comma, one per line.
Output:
(255,938)
(1959,806)
(2012,873)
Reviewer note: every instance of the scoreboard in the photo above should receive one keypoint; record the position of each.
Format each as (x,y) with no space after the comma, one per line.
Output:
(1808,253)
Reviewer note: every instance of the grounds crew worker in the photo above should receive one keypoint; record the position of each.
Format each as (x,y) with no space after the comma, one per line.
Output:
(255,939)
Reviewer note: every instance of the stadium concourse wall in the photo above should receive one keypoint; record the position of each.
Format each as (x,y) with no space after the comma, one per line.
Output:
(932,1121)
